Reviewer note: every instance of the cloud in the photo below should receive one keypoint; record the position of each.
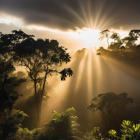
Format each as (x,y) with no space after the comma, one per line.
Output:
(68,14)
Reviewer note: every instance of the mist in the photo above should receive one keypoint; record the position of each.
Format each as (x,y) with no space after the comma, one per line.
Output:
(100,76)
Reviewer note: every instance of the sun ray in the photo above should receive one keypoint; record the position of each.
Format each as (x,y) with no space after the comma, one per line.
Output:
(84,13)
(74,13)
(80,71)
(97,69)
(89,75)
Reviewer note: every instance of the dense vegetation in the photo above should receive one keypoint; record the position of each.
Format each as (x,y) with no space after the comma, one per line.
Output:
(124,50)
(43,58)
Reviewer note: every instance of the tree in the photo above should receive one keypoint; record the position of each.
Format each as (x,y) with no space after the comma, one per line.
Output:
(117,41)
(8,41)
(104,34)
(134,33)
(129,41)
(9,118)
(42,58)
(8,95)
(111,107)
(9,129)
(131,38)
(115,37)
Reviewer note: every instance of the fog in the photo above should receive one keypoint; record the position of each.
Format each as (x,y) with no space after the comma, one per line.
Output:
(93,74)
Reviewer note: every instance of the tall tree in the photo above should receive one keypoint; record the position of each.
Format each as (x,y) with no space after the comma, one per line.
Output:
(129,41)
(111,107)
(131,38)
(115,37)
(42,58)
(8,95)
(117,41)
(134,33)
(105,34)
(9,118)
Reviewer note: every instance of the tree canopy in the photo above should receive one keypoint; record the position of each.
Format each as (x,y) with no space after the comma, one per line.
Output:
(105,34)
(41,57)
(111,107)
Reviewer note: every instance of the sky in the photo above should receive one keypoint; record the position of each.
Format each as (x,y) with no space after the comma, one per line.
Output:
(74,23)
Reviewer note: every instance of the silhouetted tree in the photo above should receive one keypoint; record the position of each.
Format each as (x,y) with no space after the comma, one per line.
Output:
(8,95)
(111,107)
(134,33)
(104,34)
(131,38)
(129,41)
(9,118)
(42,58)
(115,37)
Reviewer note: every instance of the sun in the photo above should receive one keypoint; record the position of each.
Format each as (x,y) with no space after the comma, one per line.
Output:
(89,37)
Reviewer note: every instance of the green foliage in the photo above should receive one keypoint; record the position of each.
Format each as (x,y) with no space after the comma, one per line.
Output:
(93,135)
(113,134)
(25,134)
(8,95)
(63,125)
(130,130)
(11,124)
(41,57)
(96,134)
(9,118)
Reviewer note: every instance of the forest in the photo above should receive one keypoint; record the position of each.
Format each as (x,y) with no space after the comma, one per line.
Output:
(23,94)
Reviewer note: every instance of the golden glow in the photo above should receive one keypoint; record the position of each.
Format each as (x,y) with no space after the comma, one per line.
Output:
(121,32)
(97,61)
(81,38)
(7,19)
(89,75)
(80,71)
(32,27)
(88,36)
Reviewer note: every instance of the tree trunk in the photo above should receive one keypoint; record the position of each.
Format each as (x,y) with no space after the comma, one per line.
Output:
(40,99)
(43,87)
(37,104)
(107,42)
